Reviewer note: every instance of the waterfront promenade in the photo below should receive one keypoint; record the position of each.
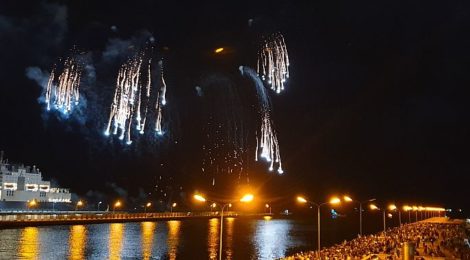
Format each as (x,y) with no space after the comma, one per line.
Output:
(21,219)
(434,238)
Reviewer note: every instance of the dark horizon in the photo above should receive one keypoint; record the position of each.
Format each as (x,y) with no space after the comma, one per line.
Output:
(375,105)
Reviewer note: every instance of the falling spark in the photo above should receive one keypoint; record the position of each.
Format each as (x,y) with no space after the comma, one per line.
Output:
(161,101)
(131,99)
(163,89)
(158,122)
(65,93)
(273,62)
(267,144)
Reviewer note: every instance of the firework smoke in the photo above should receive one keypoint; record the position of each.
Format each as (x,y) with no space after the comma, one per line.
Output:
(225,140)
(273,62)
(267,144)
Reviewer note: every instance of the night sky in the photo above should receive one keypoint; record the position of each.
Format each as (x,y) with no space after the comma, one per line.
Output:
(375,106)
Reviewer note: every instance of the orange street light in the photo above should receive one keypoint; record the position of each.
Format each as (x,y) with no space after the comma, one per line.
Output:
(219,50)
(79,204)
(117,204)
(393,207)
(301,199)
(247,198)
(173,206)
(267,206)
(32,203)
(199,197)
(408,209)
(373,207)
(148,205)
(346,198)
(335,200)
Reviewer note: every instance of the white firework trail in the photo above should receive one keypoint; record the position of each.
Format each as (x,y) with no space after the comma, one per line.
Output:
(267,144)
(65,93)
(163,89)
(131,98)
(273,62)
(161,101)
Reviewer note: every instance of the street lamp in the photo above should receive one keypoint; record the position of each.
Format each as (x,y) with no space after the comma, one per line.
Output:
(415,209)
(408,209)
(117,204)
(245,199)
(173,206)
(99,203)
(79,204)
(393,207)
(32,203)
(349,199)
(374,207)
(268,207)
(148,205)
(332,201)
(213,206)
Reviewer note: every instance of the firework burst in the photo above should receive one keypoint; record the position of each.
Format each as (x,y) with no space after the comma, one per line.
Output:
(63,93)
(131,98)
(273,62)
(267,144)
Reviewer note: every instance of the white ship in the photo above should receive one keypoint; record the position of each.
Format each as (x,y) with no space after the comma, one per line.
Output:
(21,183)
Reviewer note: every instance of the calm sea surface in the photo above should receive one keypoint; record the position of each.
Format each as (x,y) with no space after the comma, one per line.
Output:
(243,238)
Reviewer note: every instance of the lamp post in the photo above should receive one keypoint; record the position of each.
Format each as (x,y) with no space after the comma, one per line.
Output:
(32,203)
(408,209)
(172,206)
(246,198)
(415,209)
(148,205)
(116,205)
(332,201)
(393,207)
(79,204)
(374,207)
(98,208)
(348,199)
(268,207)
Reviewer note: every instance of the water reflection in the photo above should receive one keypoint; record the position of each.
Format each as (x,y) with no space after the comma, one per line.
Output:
(213,239)
(148,229)
(272,238)
(29,243)
(77,241)
(228,241)
(244,238)
(173,238)
(115,240)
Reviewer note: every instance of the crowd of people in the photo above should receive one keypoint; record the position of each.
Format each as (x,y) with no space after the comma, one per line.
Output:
(429,239)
